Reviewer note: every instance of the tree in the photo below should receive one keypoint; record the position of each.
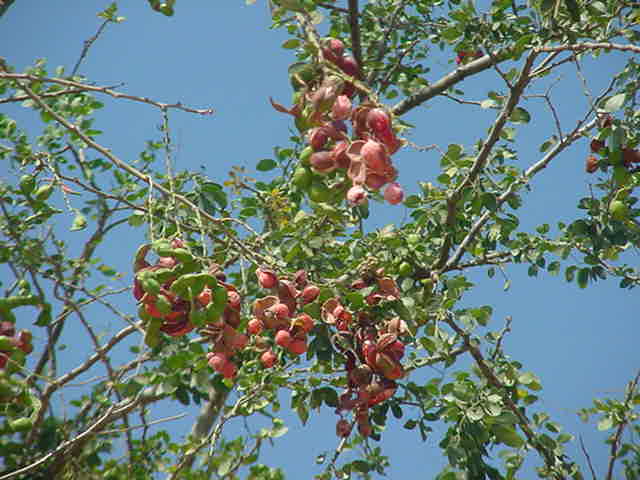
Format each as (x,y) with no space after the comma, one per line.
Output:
(243,289)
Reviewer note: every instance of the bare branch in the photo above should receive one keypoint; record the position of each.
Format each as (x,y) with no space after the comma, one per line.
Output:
(105,90)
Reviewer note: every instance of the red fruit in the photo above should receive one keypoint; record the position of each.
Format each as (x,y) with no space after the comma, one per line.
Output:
(138,293)
(229,370)
(283,338)
(166,262)
(152,310)
(255,326)
(297,347)
(177,243)
(332,49)
(343,428)
(349,66)
(305,322)
(340,156)
(7,329)
(280,311)
(218,361)
(375,156)
(204,298)
(379,121)
(240,341)
(322,162)
(357,195)
(318,138)
(591,164)
(364,429)
(309,294)
(266,278)
(375,181)
(233,299)
(630,155)
(394,193)
(268,359)
(596,145)
(341,109)
(397,348)
(369,352)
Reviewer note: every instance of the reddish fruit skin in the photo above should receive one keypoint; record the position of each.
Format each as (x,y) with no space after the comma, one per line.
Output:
(267,278)
(343,428)
(268,359)
(255,326)
(7,329)
(306,321)
(341,109)
(379,121)
(333,50)
(309,294)
(298,347)
(591,164)
(205,297)
(283,338)
(233,299)
(357,195)
(218,361)
(596,145)
(323,162)
(229,370)
(280,311)
(240,341)
(394,193)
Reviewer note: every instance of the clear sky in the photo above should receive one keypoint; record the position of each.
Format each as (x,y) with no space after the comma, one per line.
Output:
(222,54)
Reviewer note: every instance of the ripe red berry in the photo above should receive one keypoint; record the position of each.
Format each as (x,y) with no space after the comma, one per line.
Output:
(229,370)
(218,361)
(297,347)
(255,326)
(266,278)
(306,322)
(268,359)
(309,294)
(343,428)
(283,338)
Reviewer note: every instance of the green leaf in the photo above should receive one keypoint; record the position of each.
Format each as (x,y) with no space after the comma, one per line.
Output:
(583,277)
(520,115)
(605,423)
(190,285)
(291,44)
(614,103)
(79,222)
(266,164)
(279,428)
(574,10)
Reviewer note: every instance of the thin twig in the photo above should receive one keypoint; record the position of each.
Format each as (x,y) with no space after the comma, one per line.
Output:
(87,46)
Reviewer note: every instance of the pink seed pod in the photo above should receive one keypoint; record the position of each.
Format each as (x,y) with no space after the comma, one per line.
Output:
(266,278)
(375,156)
(357,195)
(343,428)
(394,193)
(341,109)
(309,294)
(268,359)
(379,121)
(322,162)
(283,338)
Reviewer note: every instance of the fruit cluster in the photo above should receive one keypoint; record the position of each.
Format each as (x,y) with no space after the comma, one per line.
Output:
(13,346)
(323,103)
(176,296)
(280,313)
(372,347)
(464,57)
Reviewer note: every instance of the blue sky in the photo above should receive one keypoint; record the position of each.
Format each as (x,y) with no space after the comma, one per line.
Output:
(582,343)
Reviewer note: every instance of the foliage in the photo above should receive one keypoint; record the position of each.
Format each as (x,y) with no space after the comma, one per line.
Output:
(260,287)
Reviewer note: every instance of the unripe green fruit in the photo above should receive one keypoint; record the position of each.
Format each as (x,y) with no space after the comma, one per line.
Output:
(621,175)
(21,424)
(618,210)
(44,192)
(27,184)
(302,178)
(305,155)
(405,269)
(5,344)
(152,333)
(319,192)
(413,239)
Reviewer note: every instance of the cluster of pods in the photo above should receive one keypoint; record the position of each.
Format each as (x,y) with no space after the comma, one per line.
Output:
(323,106)
(373,350)
(281,314)
(174,298)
